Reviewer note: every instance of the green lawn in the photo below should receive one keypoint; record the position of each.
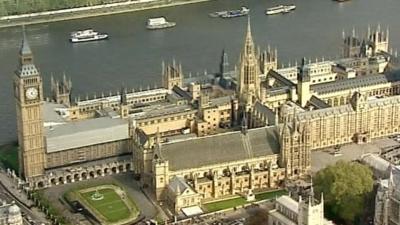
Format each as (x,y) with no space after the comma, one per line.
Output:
(112,207)
(230,203)
(9,156)
(225,204)
(269,195)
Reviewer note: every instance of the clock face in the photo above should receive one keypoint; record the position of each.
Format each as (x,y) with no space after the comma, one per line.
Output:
(31,93)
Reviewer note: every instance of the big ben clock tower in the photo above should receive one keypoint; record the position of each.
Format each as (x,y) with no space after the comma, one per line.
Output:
(29,102)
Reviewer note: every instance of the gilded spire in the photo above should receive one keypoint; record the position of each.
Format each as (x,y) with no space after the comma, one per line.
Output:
(248,28)
(249,82)
(249,44)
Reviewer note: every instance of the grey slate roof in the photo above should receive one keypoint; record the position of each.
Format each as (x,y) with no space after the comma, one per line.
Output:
(27,70)
(163,109)
(178,184)
(184,94)
(25,48)
(210,150)
(50,112)
(318,103)
(281,78)
(354,83)
(267,112)
(220,101)
(376,162)
(318,113)
(289,203)
(85,133)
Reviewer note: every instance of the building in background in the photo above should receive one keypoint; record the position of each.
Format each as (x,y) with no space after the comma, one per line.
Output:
(10,214)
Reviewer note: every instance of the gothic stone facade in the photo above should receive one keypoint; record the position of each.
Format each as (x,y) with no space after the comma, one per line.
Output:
(205,137)
(387,199)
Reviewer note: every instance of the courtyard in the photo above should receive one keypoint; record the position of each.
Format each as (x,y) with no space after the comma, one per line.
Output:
(348,152)
(114,203)
(109,203)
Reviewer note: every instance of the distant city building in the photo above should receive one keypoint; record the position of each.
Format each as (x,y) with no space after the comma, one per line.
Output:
(198,138)
(10,214)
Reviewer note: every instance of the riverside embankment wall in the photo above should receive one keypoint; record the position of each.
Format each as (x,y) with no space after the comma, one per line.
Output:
(83,12)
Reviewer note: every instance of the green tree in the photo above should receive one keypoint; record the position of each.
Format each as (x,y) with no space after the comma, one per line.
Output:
(3,10)
(345,185)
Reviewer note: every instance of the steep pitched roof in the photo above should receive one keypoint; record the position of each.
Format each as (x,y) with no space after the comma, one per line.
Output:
(25,48)
(233,146)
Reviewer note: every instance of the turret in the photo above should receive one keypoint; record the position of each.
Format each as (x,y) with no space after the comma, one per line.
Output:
(224,64)
(195,90)
(268,60)
(295,152)
(124,107)
(358,101)
(311,212)
(172,75)
(351,45)
(285,143)
(61,90)
(303,84)
(379,40)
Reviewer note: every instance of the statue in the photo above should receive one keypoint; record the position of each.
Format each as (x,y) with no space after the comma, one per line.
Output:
(250,195)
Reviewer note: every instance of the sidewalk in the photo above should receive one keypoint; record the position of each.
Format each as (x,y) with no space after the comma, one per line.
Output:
(9,185)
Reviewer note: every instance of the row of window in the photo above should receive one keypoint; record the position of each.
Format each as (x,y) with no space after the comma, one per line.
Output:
(325,79)
(320,71)
(157,121)
(115,105)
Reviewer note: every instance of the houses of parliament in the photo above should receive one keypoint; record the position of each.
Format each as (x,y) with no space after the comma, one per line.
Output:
(200,138)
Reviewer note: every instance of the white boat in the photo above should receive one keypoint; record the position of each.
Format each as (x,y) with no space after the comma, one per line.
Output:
(87,35)
(218,14)
(243,11)
(159,23)
(280,9)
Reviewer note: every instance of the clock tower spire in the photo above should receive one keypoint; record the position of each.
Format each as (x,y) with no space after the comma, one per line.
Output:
(29,104)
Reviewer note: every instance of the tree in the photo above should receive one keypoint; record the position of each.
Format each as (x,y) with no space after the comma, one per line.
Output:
(3,10)
(257,217)
(345,186)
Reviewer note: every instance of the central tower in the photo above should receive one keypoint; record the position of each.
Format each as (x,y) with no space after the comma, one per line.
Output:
(28,93)
(249,81)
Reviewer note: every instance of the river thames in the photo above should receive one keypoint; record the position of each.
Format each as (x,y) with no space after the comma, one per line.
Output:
(133,55)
